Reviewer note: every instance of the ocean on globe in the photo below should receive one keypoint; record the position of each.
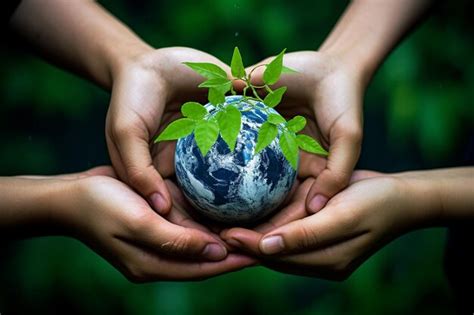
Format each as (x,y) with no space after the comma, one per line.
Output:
(236,187)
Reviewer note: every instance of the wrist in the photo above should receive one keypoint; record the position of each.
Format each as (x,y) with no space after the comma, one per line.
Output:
(347,59)
(32,206)
(124,56)
(423,198)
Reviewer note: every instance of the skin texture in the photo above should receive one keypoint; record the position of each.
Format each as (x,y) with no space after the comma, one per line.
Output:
(319,235)
(329,92)
(335,119)
(124,230)
(147,87)
(373,210)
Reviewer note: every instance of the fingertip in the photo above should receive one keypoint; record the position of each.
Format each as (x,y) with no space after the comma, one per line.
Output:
(160,204)
(214,252)
(316,203)
(242,238)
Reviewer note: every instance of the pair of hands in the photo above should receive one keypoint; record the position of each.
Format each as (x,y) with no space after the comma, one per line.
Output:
(147,94)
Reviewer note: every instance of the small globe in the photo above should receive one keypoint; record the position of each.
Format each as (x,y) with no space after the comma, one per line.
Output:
(237,187)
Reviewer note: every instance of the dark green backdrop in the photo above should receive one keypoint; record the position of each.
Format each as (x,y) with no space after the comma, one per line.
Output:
(418,114)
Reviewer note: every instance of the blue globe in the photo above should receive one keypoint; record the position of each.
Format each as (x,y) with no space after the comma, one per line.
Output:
(237,187)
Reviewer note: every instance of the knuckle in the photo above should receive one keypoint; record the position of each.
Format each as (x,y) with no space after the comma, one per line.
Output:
(180,245)
(120,130)
(136,176)
(306,238)
(354,133)
(340,180)
(139,221)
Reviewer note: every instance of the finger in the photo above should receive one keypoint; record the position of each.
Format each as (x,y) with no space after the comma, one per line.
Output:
(310,165)
(163,160)
(202,270)
(243,239)
(344,152)
(296,209)
(139,170)
(328,226)
(143,265)
(179,215)
(158,234)
(334,262)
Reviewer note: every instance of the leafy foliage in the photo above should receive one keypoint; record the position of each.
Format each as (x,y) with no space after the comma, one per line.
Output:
(229,122)
(266,135)
(227,119)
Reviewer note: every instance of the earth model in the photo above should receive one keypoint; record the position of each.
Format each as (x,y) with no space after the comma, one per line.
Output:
(236,187)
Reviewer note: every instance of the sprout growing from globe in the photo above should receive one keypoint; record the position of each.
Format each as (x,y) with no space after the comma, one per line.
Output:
(236,158)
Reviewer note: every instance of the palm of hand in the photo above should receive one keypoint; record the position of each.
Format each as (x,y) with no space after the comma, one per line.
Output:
(145,98)
(335,241)
(135,239)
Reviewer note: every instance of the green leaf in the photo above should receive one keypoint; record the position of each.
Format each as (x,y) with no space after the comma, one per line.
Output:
(216,83)
(275,119)
(296,124)
(223,88)
(208,70)
(266,135)
(216,96)
(229,124)
(274,98)
(310,145)
(236,65)
(289,147)
(273,69)
(288,70)
(205,134)
(177,129)
(193,110)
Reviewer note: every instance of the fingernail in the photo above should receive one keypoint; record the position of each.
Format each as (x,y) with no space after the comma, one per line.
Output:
(272,245)
(317,203)
(158,202)
(214,252)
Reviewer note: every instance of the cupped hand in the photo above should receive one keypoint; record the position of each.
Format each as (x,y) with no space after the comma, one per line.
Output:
(329,94)
(333,242)
(147,93)
(118,224)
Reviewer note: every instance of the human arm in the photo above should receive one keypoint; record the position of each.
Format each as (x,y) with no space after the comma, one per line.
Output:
(330,85)
(373,210)
(83,37)
(123,229)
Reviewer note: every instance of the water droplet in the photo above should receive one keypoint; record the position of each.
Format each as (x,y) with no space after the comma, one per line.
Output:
(236,34)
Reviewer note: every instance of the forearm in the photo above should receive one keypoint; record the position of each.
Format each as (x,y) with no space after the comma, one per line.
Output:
(445,195)
(31,206)
(369,29)
(78,35)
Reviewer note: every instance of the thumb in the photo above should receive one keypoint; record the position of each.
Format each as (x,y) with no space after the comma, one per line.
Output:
(179,241)
(131,157)
(344,150)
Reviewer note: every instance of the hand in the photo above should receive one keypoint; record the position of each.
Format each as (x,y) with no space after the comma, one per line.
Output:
(329,95)
(119,225)
(147,93)
(355,223)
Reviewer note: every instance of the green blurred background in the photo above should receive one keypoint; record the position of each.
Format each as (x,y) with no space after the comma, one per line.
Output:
(418,114)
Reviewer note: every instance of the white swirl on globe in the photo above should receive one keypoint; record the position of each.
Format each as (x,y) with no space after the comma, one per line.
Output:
(235,187)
